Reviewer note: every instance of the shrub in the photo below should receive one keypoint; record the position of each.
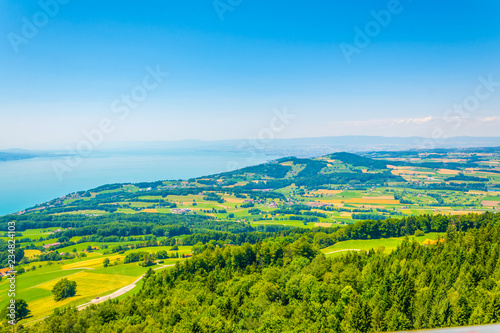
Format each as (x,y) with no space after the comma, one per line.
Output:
(419,233)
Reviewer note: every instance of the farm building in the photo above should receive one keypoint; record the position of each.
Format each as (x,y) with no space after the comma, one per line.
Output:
(4,271)
(50,245)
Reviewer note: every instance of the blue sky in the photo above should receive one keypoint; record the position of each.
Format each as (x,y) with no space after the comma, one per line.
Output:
(227,77)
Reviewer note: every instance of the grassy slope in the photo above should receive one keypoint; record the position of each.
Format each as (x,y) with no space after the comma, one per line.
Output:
(91,277)
(389,244)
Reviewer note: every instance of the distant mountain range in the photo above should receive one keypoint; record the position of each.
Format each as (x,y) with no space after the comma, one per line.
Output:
(20,154)
(326,144)
(300,147)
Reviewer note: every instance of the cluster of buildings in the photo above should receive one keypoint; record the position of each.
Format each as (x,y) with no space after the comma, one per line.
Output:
(5,272)
(182,211)
(46,246)
(318,204)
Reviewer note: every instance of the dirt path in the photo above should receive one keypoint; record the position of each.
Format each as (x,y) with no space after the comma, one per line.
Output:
(119,292)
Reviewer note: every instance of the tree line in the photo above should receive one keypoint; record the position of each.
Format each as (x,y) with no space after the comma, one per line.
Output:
(288,285)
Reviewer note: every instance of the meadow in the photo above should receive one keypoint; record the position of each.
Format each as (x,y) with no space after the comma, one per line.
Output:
(328,192)
(92,278)
(385,245)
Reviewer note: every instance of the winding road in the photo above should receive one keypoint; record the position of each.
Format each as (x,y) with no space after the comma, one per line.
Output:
(117,293)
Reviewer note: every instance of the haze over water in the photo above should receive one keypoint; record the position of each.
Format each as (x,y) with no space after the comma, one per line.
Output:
(25,183)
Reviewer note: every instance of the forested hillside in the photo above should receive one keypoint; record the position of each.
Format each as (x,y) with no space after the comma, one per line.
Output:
(286,284)
(302,212)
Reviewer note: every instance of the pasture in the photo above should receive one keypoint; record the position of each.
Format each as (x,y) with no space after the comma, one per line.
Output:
(92,278)
(388,244)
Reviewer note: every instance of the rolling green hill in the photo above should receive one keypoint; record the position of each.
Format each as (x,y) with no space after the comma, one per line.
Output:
(335,203)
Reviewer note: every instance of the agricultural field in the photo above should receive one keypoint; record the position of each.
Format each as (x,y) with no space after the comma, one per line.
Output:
(164,222)
(341,188)
(92,278)
(385,245)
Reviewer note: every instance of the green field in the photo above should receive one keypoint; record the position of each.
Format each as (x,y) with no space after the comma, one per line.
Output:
(92,278)
(388,244)
(273,194)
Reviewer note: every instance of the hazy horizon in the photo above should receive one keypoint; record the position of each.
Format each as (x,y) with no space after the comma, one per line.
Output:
(471,141)
(269,160)
(160,71)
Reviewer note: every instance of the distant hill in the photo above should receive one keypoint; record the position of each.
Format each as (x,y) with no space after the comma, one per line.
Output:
(356,160)
(307,147)
(277,179)
(299,147)
(15,156)
(20,154)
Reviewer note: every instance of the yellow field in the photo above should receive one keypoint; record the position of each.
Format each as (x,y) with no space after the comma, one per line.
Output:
(93,254)
(490,203)
(233,199)
(364,200)
(478,192)
(373,201)
(89,286)
(456,212)
(150,210)
(428,241)
(92,263)
(329,192)
(463,212)
(325,225)
(382,197)
(410,172)
(31,253)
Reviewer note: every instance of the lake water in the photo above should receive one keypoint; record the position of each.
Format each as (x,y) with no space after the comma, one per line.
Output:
(26,183)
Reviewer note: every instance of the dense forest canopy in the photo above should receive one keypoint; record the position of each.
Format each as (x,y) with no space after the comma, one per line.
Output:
(264,248)
(286,284)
